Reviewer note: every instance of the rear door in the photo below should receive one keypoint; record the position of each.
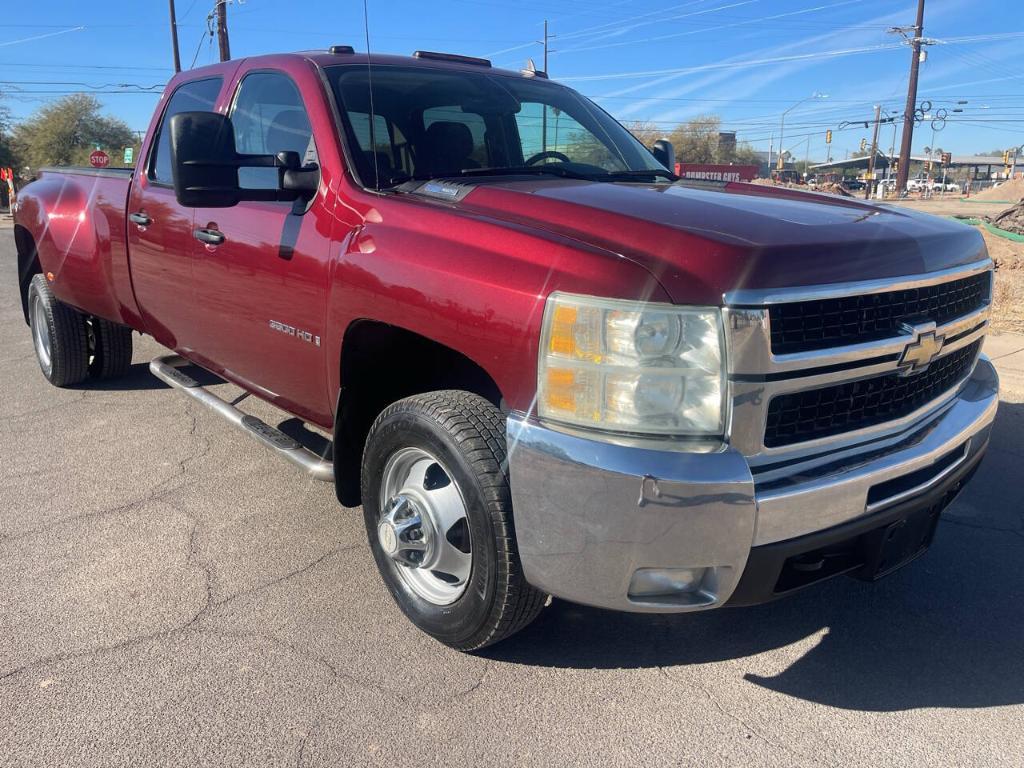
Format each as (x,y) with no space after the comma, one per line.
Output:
(261,293)
(160,242)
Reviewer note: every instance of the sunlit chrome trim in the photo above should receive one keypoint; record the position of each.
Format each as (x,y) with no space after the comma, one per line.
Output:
(816,501)
(763,297)
(752,399)
(756,375)
(750,343)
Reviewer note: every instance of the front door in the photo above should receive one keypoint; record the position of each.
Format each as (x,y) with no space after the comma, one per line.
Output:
(160,241)
(261,292)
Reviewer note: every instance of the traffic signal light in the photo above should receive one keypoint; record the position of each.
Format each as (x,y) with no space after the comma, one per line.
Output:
(947,158)
(828,137)
(896,164)
(780,163)
(1006,157)
(863,144)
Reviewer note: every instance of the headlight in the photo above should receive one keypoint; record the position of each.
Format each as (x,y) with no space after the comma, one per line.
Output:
(632,366)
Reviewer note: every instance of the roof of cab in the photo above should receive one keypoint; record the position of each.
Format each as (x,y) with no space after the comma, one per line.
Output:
(324,58)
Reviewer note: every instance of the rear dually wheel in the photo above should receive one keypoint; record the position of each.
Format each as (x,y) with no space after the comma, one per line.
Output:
(58,335)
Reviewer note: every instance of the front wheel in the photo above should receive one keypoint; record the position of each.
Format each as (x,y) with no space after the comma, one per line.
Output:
(438,513)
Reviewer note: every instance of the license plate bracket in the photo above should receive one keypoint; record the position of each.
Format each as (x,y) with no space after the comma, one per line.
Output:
(891,547)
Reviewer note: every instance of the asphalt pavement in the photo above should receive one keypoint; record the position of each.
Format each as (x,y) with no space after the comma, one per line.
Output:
(173,594)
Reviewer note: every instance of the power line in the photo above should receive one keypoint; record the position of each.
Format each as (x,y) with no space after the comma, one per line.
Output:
(735,64)
(9,64)
(138,86)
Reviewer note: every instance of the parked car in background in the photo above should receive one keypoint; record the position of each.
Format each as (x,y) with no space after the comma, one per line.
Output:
(549,366)
(854,185)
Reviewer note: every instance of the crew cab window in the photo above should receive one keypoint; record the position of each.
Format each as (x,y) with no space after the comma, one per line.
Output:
(269,117)
(196,96)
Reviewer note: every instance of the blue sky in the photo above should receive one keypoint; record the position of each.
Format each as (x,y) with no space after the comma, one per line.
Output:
(656,60)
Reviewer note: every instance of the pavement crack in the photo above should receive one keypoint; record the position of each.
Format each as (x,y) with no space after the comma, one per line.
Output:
(78,398)
(300,755)
(488,668)
(287,576)
(752,730)
(157,492)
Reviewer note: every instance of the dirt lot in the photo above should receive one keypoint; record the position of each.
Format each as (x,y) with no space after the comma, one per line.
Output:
(1010,190)
(1008,313)
(1007,254)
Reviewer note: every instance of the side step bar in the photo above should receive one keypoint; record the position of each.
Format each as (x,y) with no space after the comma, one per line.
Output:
(168,370)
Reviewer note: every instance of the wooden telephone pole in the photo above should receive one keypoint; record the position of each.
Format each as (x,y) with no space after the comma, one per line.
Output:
(908,113)
(222,29)
(874,154)
(174,38)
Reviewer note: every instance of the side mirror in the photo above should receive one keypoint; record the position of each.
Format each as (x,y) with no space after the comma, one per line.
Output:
(665,154)
(205,163)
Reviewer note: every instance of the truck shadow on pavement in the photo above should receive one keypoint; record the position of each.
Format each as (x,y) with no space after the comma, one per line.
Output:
(139,379)
(946,631)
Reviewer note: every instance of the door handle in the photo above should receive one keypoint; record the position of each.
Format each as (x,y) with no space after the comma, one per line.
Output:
(208,236)
(140,218)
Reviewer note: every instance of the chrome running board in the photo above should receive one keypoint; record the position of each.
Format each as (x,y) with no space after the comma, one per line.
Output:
(168,370)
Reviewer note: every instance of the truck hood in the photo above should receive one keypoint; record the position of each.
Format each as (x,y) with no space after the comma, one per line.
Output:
(701,240)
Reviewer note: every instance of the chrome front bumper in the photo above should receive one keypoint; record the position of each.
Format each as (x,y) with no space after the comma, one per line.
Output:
(591,514)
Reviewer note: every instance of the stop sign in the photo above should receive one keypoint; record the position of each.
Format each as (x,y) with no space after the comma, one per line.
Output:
(99,159)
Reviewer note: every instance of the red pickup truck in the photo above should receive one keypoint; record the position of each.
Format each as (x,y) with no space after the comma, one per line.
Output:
(549,366)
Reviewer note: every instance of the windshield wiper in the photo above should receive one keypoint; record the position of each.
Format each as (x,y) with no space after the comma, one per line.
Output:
(652,173)
(533,170)
(525,170)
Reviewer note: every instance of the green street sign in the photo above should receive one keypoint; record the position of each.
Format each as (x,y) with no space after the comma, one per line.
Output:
(129,153)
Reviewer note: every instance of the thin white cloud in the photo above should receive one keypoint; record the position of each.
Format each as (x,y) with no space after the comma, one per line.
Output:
(5,43)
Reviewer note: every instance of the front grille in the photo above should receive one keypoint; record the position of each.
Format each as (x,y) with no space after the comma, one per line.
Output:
(809,325)
(855,405)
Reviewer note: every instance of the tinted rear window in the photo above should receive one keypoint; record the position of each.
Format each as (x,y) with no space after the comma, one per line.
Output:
(196,96)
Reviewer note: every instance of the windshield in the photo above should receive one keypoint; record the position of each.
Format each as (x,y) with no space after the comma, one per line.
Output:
(430,123)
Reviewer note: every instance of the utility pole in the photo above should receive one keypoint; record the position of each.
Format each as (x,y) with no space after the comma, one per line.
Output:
(222,29)
(908,112)
(546,38)
(174,38)
(544,111)
(874,153)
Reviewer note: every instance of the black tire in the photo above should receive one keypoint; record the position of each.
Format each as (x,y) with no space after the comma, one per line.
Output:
(467,434)
(64,328)
(110,347)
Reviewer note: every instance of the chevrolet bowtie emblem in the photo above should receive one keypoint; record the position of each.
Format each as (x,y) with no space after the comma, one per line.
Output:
(920,353)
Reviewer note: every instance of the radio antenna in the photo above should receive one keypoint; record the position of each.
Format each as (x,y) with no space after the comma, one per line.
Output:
(369,82)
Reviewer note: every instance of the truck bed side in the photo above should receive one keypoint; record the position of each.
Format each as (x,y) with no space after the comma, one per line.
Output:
(72,224)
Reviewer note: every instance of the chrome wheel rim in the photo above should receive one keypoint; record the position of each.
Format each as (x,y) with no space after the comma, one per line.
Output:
(40,333)
(423,526)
